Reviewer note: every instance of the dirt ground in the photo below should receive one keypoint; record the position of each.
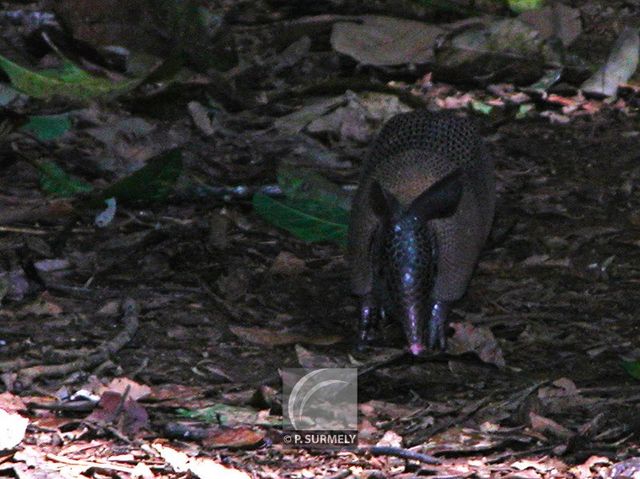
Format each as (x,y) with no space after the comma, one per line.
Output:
(558,286)
(224,301)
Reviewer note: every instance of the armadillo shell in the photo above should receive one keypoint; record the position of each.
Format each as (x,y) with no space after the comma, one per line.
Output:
(412,152)
(444,133)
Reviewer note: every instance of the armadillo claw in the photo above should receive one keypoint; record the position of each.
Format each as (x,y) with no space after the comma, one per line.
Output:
(416,349)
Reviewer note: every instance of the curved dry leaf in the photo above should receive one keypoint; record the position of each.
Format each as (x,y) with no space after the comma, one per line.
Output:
(381,40)
(547,20)
(621,64)
(479,340)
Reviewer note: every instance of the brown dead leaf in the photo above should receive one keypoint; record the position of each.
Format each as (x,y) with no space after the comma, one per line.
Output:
(561,387)
(380,40)
(555,20)
(175,392)
(11,403)
(42,306)
(367,432)
(53,423)
(110,409)
(119,385)
(479,340)
(204,468)
(586,469)
(310,360)
(234,437)
(388,410)
(391,439)
(561,100)
(545,425)
(287,264)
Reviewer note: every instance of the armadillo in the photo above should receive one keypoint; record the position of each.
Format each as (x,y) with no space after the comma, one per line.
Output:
(420,218)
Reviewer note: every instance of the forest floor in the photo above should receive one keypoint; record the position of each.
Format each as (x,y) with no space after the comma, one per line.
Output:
(198,305)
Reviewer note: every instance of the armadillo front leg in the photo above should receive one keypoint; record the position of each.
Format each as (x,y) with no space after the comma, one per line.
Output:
(369,313)
(438,325)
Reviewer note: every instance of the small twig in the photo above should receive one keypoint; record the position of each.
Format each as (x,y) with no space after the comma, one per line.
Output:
(16,364)
(341,475)
(609,390)
(73,406)
(384,362)
(98,356)
(88,464)
(139,369)
(516,399)
(511,454)
(106,365)
(117,434)
(399,452)
(466,413)
(123,399)
(24,231)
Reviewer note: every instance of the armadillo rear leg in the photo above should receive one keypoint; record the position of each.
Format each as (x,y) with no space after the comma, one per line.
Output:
(438,325)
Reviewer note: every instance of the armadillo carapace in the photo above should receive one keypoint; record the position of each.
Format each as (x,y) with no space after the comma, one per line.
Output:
(420,217)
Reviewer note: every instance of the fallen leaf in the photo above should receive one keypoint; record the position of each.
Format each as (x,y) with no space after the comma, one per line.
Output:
(557,20)
(545,425)
(479,340)
(204,468)
(234,437)
(381,40)
(12,429)
(287,264)
(620,65)
(119,385)
(200,117)
(110,408)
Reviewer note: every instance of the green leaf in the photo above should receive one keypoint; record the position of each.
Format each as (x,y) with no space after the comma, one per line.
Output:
(520,6)
(632,368)
(546,81)
(306,219)
(523,110)
(481,107)
(56,181)
(227,414)
(69,82)
(306,184)
(153,182)
(48,127)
